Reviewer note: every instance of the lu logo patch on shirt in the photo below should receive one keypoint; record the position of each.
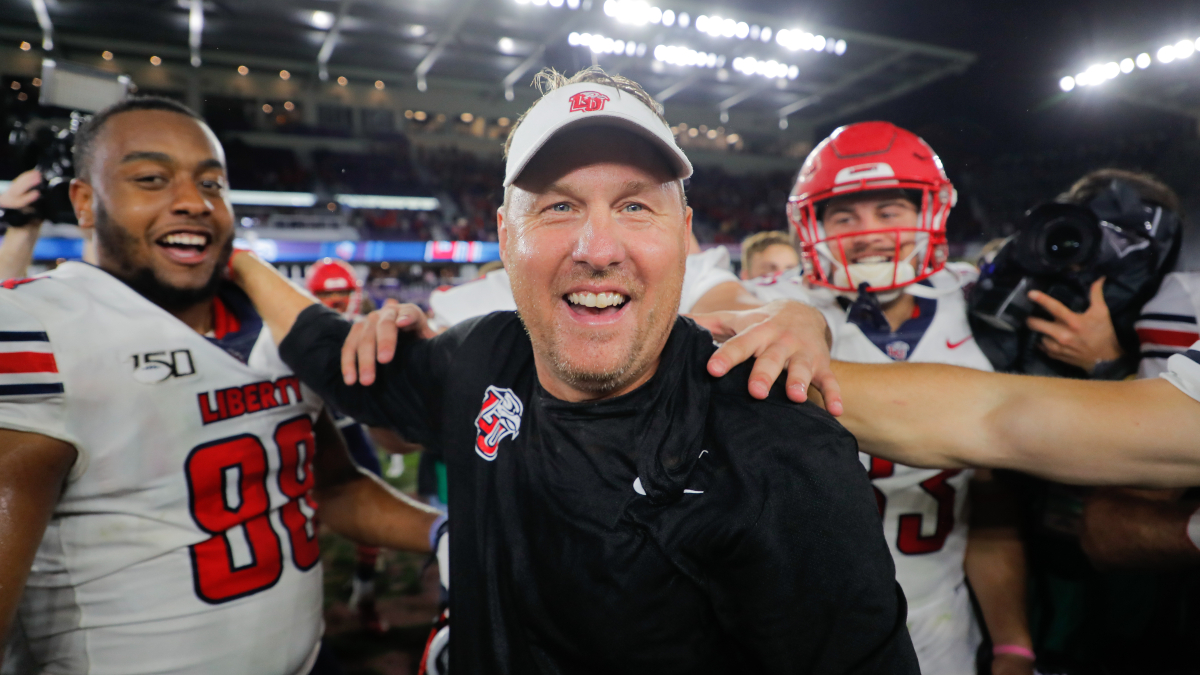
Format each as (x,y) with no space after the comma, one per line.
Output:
(499,417)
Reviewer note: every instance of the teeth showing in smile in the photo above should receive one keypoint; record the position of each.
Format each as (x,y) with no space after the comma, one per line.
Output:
(184,239)
(598,300)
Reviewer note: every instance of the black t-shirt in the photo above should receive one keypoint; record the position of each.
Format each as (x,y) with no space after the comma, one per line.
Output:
(681,528)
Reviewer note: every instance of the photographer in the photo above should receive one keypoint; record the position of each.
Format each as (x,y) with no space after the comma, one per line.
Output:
(16,249)
(1087,264)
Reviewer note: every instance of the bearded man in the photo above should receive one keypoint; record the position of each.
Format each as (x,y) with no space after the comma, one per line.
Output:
(615,508)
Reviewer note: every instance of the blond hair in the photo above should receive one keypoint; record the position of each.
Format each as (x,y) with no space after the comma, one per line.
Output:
(761,241)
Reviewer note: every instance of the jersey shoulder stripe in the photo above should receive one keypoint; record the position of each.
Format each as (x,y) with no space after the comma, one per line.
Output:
(27,365)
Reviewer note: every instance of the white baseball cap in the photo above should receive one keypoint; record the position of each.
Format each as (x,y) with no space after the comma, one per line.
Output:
(587,104)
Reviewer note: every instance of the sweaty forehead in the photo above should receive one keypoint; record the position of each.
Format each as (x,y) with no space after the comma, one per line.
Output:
(185,140)
(579,148)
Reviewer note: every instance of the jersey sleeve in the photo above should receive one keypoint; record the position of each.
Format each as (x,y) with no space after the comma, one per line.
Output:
(705,271)
(1167,325)
(1183,371)
(32,395)
(815,519)
(407,393)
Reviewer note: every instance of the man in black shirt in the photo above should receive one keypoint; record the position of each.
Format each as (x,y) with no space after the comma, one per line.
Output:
(614,508)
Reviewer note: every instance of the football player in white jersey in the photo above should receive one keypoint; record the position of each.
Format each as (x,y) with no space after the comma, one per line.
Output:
(869,207)
(160,467)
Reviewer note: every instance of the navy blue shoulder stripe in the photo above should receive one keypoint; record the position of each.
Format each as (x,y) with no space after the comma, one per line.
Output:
(1193,354)
(1158,354)
(30,389)
(1181,318)
(23,336)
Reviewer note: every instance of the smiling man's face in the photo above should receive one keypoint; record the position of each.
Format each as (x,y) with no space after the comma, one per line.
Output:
(156,191)
(594,237)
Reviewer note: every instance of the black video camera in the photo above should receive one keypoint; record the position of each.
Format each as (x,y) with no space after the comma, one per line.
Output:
(68,92)
(48,149)
(1061,249)
(1054,251)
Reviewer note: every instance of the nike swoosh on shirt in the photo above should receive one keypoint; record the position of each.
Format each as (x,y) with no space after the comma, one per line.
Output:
(956,345)
(637,487)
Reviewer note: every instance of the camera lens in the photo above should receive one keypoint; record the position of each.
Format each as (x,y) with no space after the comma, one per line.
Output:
(1064,242)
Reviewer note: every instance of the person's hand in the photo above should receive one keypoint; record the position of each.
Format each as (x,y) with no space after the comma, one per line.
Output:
(781,334)
(1080,339)
(374,339)
(23,192)
(1011,664)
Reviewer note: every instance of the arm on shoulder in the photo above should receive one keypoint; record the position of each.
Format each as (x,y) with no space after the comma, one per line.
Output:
(33,471)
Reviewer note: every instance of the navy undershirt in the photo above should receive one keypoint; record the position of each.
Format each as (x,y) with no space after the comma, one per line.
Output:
(866,313)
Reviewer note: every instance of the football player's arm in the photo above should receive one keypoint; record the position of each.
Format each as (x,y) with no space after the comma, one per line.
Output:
(1133,529)
(33,470)
(359,505)
(277,300)
(995,566)
(1072,431)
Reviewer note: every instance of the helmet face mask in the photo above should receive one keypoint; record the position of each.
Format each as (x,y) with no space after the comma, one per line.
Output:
(858,160)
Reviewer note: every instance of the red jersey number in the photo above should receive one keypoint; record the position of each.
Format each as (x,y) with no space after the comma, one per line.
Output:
(909,539)
(227,488)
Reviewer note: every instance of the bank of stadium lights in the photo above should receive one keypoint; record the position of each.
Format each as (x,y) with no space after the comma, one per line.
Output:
(1103,72)
(684,56)
(772,69)
(606,45)
(569,4)
(794,40)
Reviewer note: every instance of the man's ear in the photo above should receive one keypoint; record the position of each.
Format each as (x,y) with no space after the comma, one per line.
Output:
(81,199)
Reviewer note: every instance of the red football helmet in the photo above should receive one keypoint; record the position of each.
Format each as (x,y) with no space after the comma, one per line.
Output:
(860,158)
(333,276)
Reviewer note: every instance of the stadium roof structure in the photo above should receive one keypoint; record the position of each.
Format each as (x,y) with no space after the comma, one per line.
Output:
(708,62)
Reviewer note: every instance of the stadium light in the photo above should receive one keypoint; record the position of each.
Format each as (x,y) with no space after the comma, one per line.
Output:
(772,69)
(605,45)
(388,202)
(1143,60)
(685,56)
(271,198)
(1067,83)
(322,20)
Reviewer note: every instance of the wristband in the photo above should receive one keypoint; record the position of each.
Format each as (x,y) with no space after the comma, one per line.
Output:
(1193,528)
(1014,650)
(435,531)
(229,263)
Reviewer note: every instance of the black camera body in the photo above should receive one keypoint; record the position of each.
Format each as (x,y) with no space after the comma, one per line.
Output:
(68,91)
(1055,252)
(1061,249)
(48,148)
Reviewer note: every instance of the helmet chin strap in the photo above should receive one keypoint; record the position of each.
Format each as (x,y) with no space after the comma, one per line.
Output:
(876,274)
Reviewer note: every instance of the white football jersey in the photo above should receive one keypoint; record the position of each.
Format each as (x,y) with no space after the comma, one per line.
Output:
(1183,371)
(1167,325)
(184,541)
(493,292)
(924,510)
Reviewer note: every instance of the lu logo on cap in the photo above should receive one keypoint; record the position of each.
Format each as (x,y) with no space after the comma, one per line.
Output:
(587,101)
